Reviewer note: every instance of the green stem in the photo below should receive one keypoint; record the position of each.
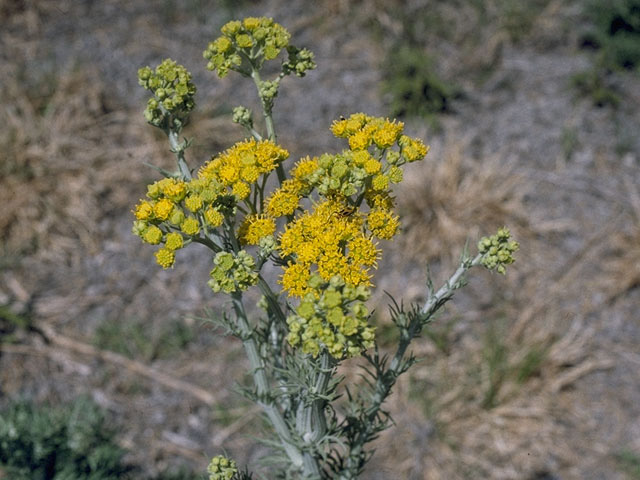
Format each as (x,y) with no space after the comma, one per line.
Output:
(311,421)
(268,120)
(387,379)
(262,384)
(178,149)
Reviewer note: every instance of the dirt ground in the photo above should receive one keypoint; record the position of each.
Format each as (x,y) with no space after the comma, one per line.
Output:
(535,375)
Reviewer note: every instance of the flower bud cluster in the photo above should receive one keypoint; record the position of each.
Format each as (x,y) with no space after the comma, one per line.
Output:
(173,93)
(254,40)
(299,62)
(332,316)
(233,273)
(221,468)
(243,116)
(498,250)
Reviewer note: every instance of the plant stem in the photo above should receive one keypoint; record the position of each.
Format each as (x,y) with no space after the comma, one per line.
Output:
(386,379)
(262,384)
(178,149)
(268,120)
(311,420)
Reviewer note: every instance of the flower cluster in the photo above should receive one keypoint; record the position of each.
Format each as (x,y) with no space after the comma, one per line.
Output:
(328,241)
(221,468)
(169,215)
(332,316)
(498,250)
(233,273)
(300,60)
(241,165)
(173,93)
(253,39)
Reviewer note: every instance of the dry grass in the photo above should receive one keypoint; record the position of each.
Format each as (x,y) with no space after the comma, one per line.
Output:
(456,198)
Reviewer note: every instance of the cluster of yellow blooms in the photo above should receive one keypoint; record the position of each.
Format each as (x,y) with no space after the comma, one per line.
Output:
(251,38)
(176,211)
(334,240)
(243,164)
(328,250)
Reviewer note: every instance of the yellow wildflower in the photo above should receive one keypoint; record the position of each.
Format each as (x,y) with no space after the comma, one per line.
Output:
(241,190)
(152,235)
(282,203)
(173,241)
(295,279)
(165,257)
(193,202)
(213,217)
(162,208)
(255,227)
(382,224)
(190,226)
(144,211)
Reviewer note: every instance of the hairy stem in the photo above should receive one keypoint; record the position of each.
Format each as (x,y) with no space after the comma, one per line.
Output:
(386,379)
(262,384)
(178,149)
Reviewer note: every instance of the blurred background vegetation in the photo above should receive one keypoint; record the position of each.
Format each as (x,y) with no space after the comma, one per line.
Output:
(107,369)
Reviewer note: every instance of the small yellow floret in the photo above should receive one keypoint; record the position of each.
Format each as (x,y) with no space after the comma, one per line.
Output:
(380,183)
(282,203)
(144,211)
(152,235)
(190,226)
(162,208)
(173,189)
(304,168)
(255,227)
(295,279)
(372,166)
(241,190)
(359,140)
(382,224)
(339,128)
(165,257)
(213,217)
(193,202)
(174,241)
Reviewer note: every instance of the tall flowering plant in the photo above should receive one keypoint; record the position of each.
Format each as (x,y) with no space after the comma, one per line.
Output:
(321,224)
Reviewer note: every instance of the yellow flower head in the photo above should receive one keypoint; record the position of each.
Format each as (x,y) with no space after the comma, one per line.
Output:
(193,202)
(162,208)
(255,227)
(173,189)
(241,190)
(246,161)
(362,251)
(190,226)
(382,224)
(144,210)
(213,217)
(165,257)
(152,235)
(304,168)
(173,241)
(282,203)
(388,133)
(295,279)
